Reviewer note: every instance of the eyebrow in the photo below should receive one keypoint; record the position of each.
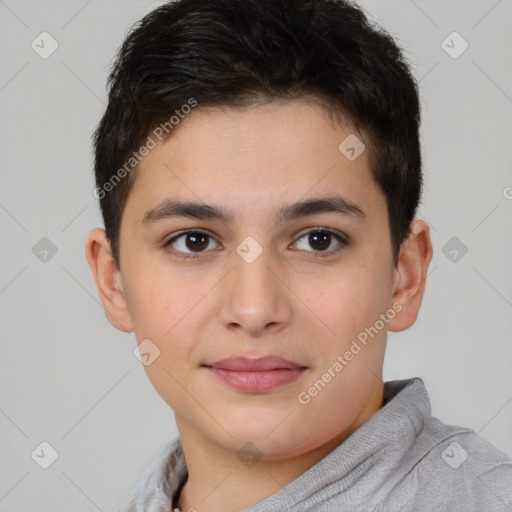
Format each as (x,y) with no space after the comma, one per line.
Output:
(171,208)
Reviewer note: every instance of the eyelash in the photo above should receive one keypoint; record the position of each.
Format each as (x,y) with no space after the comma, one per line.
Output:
(342,239)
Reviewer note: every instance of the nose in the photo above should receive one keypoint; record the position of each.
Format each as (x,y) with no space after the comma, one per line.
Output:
(256,298)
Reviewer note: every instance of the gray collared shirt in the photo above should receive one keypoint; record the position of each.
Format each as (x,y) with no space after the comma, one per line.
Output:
(401,460)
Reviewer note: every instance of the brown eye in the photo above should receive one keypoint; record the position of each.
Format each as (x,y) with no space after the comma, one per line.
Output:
(321,240)
(196,241)
(191,242)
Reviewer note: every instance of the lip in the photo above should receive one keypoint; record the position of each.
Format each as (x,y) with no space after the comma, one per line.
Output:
(260,364)
(256,375)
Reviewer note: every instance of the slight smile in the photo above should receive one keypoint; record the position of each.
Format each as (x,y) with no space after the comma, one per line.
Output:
(256,375)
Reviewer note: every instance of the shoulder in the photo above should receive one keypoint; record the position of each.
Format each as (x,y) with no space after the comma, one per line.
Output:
(460,471)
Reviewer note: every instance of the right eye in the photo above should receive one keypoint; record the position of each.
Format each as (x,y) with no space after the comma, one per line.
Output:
(191,244)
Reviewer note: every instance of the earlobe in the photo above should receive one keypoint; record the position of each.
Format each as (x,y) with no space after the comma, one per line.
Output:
(410,278)
(108,280)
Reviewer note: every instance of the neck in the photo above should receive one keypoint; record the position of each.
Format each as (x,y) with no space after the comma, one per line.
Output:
(219,482)
(226,485)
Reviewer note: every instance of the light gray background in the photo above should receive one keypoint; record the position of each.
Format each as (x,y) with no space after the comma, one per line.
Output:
(67,377)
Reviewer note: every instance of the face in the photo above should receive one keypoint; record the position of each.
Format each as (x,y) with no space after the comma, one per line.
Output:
(250,273)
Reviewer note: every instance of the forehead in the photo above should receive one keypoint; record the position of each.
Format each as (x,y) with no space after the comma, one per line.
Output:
(257,157)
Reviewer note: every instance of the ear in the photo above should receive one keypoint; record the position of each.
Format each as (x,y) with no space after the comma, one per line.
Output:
(108,280)
(410,275)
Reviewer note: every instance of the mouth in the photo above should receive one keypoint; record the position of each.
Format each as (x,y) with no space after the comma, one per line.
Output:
(256,375)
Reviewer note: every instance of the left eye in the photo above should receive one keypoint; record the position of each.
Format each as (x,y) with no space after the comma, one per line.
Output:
(321,240)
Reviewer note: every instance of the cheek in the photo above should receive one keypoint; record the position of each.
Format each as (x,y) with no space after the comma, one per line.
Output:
(171,311)
(149,308)
(158,302)
(346,301)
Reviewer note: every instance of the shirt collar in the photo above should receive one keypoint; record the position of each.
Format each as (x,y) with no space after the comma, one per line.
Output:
(379,443)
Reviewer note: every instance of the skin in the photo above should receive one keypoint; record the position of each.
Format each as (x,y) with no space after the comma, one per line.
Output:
(295,300)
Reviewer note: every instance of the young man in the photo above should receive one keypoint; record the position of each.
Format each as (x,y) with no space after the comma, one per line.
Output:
(259,169)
